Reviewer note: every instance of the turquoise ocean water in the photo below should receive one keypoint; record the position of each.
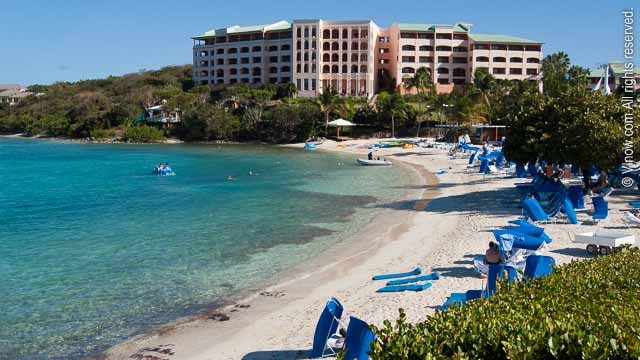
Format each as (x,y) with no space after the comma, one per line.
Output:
(94,249)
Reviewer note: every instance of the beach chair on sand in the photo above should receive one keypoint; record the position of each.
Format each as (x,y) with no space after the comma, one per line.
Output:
(538,266)
(601,207)
(533,210)
(358,339)
(326,327)
(495,271)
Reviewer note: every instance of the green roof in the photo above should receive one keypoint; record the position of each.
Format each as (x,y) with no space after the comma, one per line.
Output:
(463,27)
(501,39)
(236,29)
(617,69)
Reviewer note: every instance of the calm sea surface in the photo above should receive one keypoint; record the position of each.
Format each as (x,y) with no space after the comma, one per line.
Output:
(94,249)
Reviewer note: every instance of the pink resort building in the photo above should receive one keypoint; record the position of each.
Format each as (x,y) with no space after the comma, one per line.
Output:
(357,57)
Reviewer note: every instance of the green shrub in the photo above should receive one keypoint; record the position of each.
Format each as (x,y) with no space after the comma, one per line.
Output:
(586,309)
(54,125)
(103,133)
(143,134)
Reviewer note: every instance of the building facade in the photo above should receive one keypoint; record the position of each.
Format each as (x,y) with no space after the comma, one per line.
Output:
(619,78)
(12,93)
(358,58)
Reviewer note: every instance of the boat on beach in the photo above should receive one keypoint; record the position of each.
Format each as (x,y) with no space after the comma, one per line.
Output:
(367,162)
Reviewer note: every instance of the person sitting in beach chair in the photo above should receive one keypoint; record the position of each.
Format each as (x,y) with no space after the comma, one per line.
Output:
(492,255)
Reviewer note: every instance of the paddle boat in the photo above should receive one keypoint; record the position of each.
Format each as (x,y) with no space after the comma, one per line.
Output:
(309,146)
(367,162)
(163,171)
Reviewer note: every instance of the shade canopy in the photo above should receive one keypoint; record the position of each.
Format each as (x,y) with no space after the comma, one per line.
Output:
(341,122)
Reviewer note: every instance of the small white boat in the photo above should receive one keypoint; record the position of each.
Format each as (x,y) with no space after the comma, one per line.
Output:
(367,162)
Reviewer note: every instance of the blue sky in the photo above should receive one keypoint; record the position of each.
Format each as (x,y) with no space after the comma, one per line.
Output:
(43,41)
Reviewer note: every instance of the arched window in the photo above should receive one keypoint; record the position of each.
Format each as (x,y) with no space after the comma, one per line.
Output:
(298,56)
(499,59)
(313,45)
(326,57)
(354,57)
(285,69)
(345,57)
(335,46)
(459,72)
(256,71)
(426,48)
(354,45)
(306,56)
(326,46)
(273,70)
(533,60)
(345,45)
(306,45)
(326,34)
(244,49)
(345,69)
(306,68)
(408,48)
(363,68)
(482,59)
(233,72)
(335,58)
(408,70)
(345,33)
(334,68)
(515,59)
(443,70)
(313,55)
(335,34)
(325,69)
(220,73)
(354,69)
(244,71)
(443,48)
(355,34)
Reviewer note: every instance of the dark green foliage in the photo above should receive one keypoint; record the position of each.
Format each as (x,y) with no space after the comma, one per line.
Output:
(143,134)
(584,310)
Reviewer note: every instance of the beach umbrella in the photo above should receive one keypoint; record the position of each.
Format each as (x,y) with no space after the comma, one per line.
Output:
(338,123)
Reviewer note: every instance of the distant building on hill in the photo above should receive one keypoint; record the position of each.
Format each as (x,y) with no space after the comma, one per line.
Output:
(12,93)
(358,58)
(158,115)
(616,76)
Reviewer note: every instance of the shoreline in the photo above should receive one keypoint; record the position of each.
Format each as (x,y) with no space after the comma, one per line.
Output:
(228,319)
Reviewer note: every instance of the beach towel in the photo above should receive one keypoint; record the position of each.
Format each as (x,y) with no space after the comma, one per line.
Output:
(413,272)
(432,276)
(400,288)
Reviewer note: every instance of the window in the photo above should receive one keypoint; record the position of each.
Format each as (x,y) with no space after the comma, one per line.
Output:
(306,56)
(299,84)
(409,59)
(313,84)
(532,48)
(273,70)
(285,47)
(220,51)
(233,81)
(443,59)
(364,57)
(233,72)
(354,57)
(326,34)
(533,61)
(498,47)
(443,70)
(335,46)
(326,57)
(313,32)
(408,35)
(244,70)
(285,58)
(273,48)
(334,69)
(532,71)
(306,32)
(408,48)
(355,33)
(354,45)
(335,58)
(384,61)
(244,50)
(443,48)
(408,70)
(299,32)
(306,68)
(244,60)
(515,60)
(298,68)
(499,59)
(459,60)
(233,61)
(443,81)
(298,45)
(345,45)
(313,45)
(313,68)
(363,68)
(481,46)
(273,59)
(220,61)
(285,69)
(232,51)
(426,48)
(220,73)
(335,34)
(516,47)
(515,71)
(257,60)
(219,81)
(459,72)
(273,80)
(460,49)
(426,59)
(460,36)
(204,73)
(482,59)
(498,71)
(383,40)
(306,45)
(256,48)
(326,46)
(443,36)
(345,69)
(256,71)
(384,51)
(298,56)
(354,69)
(204,53)
(313,55)
(204,63)
(326,69)
(458,81)
(425,36)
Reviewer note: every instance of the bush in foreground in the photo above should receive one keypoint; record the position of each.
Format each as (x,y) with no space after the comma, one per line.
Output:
(586,309)
(143,134)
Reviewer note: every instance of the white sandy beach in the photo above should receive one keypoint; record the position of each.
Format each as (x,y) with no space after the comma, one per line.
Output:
(462,209)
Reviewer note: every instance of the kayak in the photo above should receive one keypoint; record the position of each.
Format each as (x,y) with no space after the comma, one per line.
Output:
(366,162)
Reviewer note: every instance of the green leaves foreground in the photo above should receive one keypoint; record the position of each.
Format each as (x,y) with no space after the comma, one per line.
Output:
(586,309)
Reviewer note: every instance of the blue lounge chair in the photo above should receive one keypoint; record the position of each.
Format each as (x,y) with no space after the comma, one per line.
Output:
(601,207)
(538,266)
(519,240)
(521,172)
(495,271)
(576,196)
(528,228)
(416,271)
(533,210)
(635,204)
(358,340)
(327,326)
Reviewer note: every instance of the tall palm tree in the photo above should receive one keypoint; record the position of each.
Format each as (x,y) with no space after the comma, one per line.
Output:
(291,90)
(392,105)
(421,81)
(328,100)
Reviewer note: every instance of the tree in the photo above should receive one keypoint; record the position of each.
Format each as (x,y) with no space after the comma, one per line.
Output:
(328,100)
(421,81)
(554,73)
(393,106)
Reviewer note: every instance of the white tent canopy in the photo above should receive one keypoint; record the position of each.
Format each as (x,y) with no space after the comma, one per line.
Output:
(341,122)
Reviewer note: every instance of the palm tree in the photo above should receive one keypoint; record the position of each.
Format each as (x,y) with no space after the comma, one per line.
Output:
(554,72)
(328,100)
(421,81)
(291,90)
(392,105)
